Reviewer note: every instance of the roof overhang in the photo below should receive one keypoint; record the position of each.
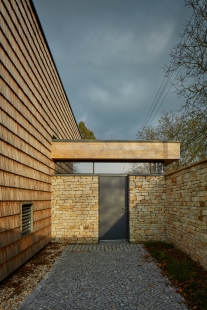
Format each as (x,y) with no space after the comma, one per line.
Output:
(115,151)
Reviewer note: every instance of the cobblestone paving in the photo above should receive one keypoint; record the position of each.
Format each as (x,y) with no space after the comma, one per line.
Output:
(110,275)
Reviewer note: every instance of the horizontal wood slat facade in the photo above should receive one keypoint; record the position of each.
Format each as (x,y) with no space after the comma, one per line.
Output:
(20,169)
(18,194)
(10,236)
(19,156)
(34,108)
(8,208)
(10,179)
(9,222)
(17,260)
(116,151)
(23,243)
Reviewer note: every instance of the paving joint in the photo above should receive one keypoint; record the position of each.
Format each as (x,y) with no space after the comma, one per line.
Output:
(109,275)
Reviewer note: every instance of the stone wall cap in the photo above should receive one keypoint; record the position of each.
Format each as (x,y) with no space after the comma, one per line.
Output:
(118,141)
(187,167)
(106,174)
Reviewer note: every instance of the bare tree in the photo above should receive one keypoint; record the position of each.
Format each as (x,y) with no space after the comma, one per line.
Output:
(146,168)
(178,127)
(189,60)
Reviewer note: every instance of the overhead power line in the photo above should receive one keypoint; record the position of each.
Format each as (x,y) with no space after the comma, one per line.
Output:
(164,97)
(161,91)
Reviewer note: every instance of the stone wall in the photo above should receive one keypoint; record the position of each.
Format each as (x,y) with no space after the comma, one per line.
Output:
(146,208)
(75,209)
(186,210)
(171,208)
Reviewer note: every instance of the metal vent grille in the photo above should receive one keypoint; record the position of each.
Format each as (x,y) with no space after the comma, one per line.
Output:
(26,219)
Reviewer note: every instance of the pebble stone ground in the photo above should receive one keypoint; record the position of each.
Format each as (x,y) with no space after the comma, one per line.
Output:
(110,275)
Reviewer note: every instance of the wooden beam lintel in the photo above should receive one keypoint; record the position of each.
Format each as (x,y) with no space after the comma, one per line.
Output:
(116,151)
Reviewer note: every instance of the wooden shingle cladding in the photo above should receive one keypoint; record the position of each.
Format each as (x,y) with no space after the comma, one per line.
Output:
(34,108)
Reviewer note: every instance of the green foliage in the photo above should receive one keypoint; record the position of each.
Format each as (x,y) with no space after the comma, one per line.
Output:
(188,276)
(159,244)
(156,248)
(180,271)
(85,132)
(158,255)
(177,270)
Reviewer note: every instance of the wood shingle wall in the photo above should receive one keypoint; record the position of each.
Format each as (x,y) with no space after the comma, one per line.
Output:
(34,108)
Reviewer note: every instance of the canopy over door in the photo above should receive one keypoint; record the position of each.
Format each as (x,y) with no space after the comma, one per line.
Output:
(117,151)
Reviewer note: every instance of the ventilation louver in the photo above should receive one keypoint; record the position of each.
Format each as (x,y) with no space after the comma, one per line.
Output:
(26,219)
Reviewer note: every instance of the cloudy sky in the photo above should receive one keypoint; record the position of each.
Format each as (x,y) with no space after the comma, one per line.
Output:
(110,55)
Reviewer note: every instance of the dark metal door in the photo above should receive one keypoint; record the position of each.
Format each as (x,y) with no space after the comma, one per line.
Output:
(113,207)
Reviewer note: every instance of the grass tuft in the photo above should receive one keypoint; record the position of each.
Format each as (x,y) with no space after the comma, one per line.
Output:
(158,255)
(181,271)
(185,274)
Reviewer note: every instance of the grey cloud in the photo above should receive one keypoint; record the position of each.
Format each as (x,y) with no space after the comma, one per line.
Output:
(109,55)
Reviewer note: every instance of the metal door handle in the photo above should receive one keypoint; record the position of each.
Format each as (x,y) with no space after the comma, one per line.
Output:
(124,209)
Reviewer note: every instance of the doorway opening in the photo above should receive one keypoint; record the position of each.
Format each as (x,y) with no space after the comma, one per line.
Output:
(113,207)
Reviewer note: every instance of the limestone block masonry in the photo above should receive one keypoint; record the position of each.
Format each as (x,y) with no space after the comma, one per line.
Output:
(186,210)
(169,208)
(146,208)
(75,209)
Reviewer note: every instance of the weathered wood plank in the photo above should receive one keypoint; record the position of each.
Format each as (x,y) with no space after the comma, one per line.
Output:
(41,224)
(9,222)
(8,208)
(34,131)
(22,243)
(16,261)
(31,92)
(14,194)
(41,214)
(10,179)
(15,96)
(24,133)
(116,150)
(30,37)
(41,205)
(9,236)
(19,143)
(18,155)
(17,168)
(67,113)
(34,109)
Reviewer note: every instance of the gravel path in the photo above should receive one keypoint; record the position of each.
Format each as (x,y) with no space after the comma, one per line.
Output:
(110,275)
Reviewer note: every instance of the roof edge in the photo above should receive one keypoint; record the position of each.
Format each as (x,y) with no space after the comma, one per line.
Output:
(118,141)
(44,37)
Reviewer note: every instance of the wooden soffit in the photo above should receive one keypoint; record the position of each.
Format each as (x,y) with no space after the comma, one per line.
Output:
(115,151)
